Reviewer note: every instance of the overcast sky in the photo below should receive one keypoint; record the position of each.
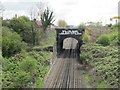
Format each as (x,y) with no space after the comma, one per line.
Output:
(73,12)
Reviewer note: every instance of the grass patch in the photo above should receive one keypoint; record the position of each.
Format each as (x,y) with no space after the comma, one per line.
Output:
(87,79)
(102,84)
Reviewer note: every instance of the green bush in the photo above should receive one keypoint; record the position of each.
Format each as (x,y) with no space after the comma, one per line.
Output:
(103,40)
(29,64)
(11,42)
(114,37)
(85,56)
(86,37)
(109,39)
(25,67)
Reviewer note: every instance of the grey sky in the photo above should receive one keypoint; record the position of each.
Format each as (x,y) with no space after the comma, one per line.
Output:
(73,11)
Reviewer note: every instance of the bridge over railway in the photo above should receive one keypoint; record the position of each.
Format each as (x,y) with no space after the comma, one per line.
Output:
(63,33)
(65,72)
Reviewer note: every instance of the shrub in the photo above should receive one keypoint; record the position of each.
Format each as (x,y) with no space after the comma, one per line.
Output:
(86,37)
(103,40)
(23,68)
(104,61)
(11,42)
(114,38)
(29,64)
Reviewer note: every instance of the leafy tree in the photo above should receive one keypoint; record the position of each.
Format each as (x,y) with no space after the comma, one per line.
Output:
(20,24)
(11,42)
(82,25)
(6,23)
(23,26)
(47,18)
(62,23)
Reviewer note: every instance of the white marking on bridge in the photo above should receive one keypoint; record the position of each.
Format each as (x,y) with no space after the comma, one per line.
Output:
(72,32)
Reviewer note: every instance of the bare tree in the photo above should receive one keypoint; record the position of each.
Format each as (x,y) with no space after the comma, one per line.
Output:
(33,17)
(33,13)
(41,7)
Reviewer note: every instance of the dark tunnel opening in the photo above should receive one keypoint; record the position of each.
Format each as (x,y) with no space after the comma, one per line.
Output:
(68,46)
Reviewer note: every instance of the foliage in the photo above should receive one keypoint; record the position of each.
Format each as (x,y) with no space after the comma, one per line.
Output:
(109,39)
(20,24)
(46,18)
(114,37)
(38,36)
(6,23)
(82,26)
(28,65)
(23,26)
(85,55)
(87,79)
(0,68)
(102,84)
(62,23)
(50,39)
(104,61)
(103,40)
(95,24)
(28,29)
(26,69)
(22,68)
(11,42)
(86,37)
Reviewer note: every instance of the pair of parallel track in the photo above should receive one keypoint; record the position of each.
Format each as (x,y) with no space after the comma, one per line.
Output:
(65,73)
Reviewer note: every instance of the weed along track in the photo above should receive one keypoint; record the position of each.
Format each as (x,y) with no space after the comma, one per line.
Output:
(65,72)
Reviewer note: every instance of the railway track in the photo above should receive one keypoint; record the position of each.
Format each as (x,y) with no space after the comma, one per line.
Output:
(65,71)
